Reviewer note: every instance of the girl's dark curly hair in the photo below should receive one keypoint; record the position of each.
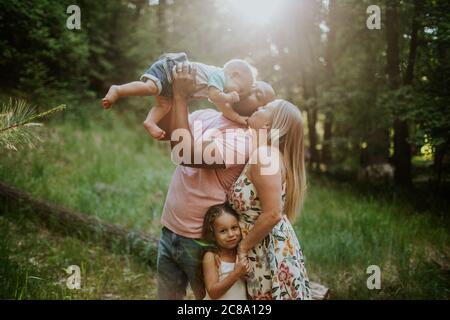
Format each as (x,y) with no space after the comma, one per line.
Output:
(208,223)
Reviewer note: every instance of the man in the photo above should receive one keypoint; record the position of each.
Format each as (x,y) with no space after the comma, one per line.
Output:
(197,186)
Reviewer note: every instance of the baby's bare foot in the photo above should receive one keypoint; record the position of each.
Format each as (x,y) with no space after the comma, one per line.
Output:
(155,131)
(111,97)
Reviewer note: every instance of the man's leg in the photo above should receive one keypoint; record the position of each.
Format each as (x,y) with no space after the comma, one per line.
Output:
(191,257)
(172,280)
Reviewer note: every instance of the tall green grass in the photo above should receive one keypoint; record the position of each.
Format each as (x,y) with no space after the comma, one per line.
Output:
(98,165)
(343,233)
(103,163)
(32,263)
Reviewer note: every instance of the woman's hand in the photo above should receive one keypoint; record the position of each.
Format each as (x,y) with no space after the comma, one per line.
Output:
(184,80)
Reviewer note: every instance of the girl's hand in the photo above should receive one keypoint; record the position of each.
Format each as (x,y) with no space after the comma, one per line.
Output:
(242,269)
(243,259)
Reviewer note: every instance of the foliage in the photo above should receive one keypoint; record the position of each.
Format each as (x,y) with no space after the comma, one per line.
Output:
(16,122)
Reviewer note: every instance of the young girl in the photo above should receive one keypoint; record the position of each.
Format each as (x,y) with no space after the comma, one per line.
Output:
(224,275)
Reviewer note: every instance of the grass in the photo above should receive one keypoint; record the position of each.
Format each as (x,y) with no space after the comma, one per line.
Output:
(102,163)
(343,233)
(32,263)
(101,167)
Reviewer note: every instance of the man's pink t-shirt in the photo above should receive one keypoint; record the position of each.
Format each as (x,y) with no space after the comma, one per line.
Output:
(192,191)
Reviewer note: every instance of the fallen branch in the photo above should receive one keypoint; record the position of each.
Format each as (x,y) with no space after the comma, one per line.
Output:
(81,225)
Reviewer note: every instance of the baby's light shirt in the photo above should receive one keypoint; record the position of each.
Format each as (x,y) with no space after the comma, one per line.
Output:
(216,79)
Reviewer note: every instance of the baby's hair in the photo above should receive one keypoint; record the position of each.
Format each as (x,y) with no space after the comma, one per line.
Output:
(239,64)
(212,214)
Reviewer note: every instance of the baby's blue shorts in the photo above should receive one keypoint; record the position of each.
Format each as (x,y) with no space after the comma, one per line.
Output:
(161,72)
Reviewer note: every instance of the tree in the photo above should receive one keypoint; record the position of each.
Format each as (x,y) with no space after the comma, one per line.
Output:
(402,148)
(329,59)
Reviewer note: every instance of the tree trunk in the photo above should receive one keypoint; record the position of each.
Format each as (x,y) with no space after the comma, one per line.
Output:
(377,148)
(161,24)
(329,58)
(309,91)
(402,148)
(409,74)
(403,158)
(312,134)
(78,224)
(438,163)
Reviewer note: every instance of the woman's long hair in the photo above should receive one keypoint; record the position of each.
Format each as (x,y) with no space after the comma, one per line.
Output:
(288,119)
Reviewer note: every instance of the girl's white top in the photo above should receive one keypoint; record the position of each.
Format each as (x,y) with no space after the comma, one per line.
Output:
(238,291)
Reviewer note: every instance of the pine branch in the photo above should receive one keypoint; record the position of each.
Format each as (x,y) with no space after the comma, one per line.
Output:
(40,115)
(16,120)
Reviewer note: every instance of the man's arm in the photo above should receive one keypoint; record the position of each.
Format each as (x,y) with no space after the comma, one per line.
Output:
(183,86)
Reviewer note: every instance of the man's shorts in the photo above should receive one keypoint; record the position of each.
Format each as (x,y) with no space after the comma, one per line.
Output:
(161,72)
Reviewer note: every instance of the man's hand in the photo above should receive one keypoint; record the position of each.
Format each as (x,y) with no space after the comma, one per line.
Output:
(184,86)
(184,80)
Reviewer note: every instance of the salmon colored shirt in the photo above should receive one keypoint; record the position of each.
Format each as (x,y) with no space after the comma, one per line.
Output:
(192,190)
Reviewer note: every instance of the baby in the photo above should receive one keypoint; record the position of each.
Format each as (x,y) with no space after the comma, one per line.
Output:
(223,86)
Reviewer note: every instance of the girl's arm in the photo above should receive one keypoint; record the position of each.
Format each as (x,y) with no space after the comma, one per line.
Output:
(214,286)
(268,185)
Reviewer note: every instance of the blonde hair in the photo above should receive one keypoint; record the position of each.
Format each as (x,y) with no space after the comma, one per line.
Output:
(288,119)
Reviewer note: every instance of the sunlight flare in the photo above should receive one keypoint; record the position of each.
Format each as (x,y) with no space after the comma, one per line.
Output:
(257,12)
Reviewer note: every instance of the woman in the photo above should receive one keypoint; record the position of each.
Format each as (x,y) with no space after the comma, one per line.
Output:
(267,202)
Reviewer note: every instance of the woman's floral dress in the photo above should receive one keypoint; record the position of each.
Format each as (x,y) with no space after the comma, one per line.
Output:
(277,262)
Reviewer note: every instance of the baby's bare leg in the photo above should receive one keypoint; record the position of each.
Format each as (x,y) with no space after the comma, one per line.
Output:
(154,117)
(135,88)
(166,122)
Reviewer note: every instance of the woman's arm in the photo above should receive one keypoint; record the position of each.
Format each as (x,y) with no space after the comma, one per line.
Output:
(268,186)
(215,287)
